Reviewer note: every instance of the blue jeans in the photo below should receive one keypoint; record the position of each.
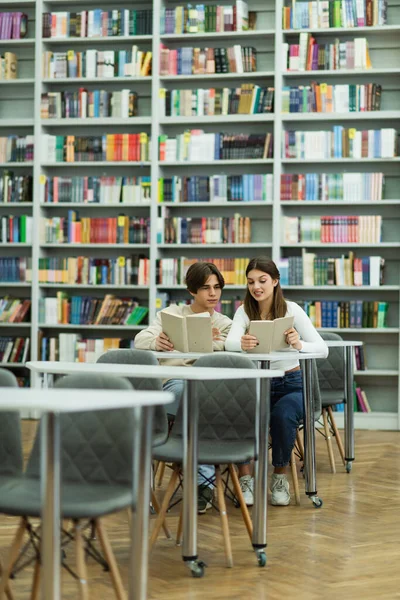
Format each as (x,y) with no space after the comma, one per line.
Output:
(175,386)
(286,413)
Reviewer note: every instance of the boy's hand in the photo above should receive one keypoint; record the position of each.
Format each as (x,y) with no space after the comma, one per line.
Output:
(293,338)
(248,342)
(163,343)
(216,334)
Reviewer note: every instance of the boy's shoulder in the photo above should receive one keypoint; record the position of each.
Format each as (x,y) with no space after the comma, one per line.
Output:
(176,309)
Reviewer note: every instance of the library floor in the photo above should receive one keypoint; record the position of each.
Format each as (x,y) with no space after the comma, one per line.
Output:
(348,549)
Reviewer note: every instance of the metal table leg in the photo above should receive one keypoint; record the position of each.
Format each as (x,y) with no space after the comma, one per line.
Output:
(348,408)
(190,462)
(51,505)
(309,435)
(261,467)
(142,427)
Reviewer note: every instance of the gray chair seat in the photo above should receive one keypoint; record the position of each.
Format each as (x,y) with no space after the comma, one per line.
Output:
(211,452)
(332,398)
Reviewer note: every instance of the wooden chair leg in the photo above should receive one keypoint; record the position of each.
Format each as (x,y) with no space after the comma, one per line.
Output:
(110,558)
(180,526)
(164,506)
(328,440)
(243,507)
(157,509)
(8,592)
(14,551)
(36,580)
(295,479)
(224,517)
(300,445)
(81,562)
(160,477)
(336,434)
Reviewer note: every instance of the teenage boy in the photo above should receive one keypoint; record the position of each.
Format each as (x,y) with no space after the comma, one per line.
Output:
(204,283)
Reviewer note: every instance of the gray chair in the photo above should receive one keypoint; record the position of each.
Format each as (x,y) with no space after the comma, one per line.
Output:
(96,453)
(142,357)
(11,457)
(331,378)
(226,436)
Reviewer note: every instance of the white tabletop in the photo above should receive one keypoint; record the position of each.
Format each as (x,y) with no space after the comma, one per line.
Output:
(62,400)
(342,343)
(150,371)
(289,355)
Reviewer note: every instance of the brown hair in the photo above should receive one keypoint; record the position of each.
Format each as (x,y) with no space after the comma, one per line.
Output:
(251,306)
(198,273)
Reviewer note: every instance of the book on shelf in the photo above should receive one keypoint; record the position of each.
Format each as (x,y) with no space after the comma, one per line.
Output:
(107,190)
(324,14)
(13,25)
(86,270)
(14,350)
(270,334)
(341,142)
(15,188)
(16,269)
(362,401)
(96,63)
(207,61)
(85,103)
(14,148)
(207,18)
(97,23)
(324,98)
(216,188)
(96,230)
(8,66)
(196,145)
(16,229)
(204,230)
(348,187)
(353,314)
(189,333)
(366,229)
(308,55)
(72,347)
(14,310)
(360,363)
(172,271)
(115,147)
(312,270)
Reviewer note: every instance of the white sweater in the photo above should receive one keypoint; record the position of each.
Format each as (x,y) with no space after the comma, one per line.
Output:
(310,339)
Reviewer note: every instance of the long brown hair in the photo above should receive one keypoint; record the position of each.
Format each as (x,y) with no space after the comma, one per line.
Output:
(251,306)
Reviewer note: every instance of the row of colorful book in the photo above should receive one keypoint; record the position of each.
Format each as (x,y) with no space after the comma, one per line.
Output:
(308,55)
(196,145)
(353,314)
(324,98)
(96,63)
(311,270)
(203,18)
(14,310)
(14,349)
(16,269)
(341,142)
(216,188)
(116,147)
(96,230)
(248,99)
(205,230)
(322,14)
(188,60)
(97,23)
(86,270)
(86,310)
(13,25)
(72,347)
(83,104)
(172,271)
(347,187)
(107,190)
(366,229)
(15,148)
(15,188)
(16,229)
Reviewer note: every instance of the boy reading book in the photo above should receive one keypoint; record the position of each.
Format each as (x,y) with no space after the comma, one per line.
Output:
(204,283)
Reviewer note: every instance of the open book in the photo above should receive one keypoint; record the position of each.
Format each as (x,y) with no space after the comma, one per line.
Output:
(190,333)
(270,334)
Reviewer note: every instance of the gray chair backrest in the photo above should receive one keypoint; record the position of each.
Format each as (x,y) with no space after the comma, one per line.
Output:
(331,369)
(226,408)
(141,357)
(11,458)
(96,446)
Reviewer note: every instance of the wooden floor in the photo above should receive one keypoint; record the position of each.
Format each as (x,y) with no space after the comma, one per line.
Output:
(348,549)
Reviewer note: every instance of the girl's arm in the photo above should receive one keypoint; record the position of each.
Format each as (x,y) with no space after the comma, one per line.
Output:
(238,328)
(310,341)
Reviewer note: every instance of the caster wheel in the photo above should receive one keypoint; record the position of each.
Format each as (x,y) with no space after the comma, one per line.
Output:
(262,559)
(348,467)
(317,502)
(197,569)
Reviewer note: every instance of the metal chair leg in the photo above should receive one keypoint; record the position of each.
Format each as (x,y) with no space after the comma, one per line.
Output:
(328,440)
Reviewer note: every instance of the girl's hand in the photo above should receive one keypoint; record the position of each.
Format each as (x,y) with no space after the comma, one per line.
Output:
(163,343)
(216,334)
(293,338)
(248,342)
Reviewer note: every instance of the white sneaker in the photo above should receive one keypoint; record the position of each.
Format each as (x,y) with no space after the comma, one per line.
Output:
(279,487)
(247,487)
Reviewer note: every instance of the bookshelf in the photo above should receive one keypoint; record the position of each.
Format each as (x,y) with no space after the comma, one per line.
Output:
(20,114)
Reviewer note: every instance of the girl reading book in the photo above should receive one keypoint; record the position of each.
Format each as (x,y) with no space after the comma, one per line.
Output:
(264,301)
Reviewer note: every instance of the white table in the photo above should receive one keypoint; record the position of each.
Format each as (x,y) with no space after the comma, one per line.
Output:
(53,402)
(263,361)
(348,396)
(190,438)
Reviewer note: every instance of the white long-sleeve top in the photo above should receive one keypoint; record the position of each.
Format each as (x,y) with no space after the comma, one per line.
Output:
(310,339)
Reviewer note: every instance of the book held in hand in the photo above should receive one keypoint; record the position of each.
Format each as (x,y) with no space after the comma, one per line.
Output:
(270,334)
(190,333)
